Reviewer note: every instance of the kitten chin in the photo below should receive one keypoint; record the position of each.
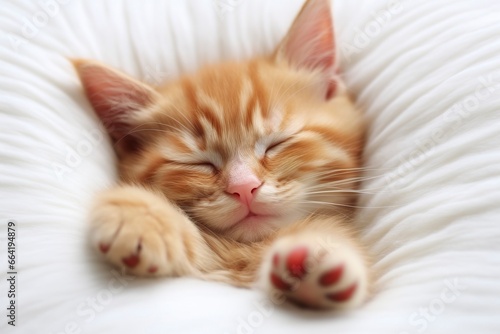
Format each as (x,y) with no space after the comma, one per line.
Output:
(258,227)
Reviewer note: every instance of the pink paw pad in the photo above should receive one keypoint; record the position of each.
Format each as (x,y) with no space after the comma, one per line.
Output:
(279,283)
(152,269)
(276,260)
(343,295)
(295,263)
(103,248)
(131,261)
(332,276)
(323,281)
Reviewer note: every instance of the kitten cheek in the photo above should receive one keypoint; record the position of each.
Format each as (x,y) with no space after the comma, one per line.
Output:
(218,213)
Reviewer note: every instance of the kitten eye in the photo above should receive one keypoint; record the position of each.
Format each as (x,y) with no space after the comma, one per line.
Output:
(206,165)
(275,145)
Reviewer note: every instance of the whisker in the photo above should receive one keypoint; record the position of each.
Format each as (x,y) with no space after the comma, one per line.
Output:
(180,113)
(342,182)
(339,191)
(344,205)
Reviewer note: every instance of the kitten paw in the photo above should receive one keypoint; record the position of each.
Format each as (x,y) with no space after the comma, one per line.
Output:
(137,231)
(311,274)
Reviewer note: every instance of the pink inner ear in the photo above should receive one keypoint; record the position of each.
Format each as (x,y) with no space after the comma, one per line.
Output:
(310,43)
(113,96)
(332,88)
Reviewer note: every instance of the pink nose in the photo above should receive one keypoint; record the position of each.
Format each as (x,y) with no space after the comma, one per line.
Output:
(244,191)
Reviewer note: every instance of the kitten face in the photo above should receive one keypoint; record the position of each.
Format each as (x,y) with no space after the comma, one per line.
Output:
(248,148)
(242,148)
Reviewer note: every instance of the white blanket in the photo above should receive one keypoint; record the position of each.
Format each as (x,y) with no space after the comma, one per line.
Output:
(427,74)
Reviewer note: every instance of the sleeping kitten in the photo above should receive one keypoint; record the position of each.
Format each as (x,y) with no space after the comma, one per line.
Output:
(242,172)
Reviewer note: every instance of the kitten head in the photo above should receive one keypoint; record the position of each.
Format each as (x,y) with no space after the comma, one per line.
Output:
(243,148)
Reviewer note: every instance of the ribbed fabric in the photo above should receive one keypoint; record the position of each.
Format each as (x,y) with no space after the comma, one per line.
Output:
(427,75)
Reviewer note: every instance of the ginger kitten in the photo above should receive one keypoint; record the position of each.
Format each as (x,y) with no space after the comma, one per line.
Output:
(242,172)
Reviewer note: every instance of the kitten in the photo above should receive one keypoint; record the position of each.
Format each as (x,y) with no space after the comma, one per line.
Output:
(242,172)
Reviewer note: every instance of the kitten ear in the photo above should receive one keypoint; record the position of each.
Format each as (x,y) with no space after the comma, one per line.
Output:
(115,97)
(310,42)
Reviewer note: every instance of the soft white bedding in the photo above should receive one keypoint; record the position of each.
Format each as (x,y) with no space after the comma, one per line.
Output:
(427,74)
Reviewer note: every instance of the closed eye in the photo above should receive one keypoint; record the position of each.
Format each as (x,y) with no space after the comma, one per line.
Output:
(205,165)
(275,145)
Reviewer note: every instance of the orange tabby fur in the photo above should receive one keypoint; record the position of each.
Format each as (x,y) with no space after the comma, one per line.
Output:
(286,119)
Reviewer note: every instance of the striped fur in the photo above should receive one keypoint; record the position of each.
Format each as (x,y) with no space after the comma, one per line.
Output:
(286,117)
(232,110)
